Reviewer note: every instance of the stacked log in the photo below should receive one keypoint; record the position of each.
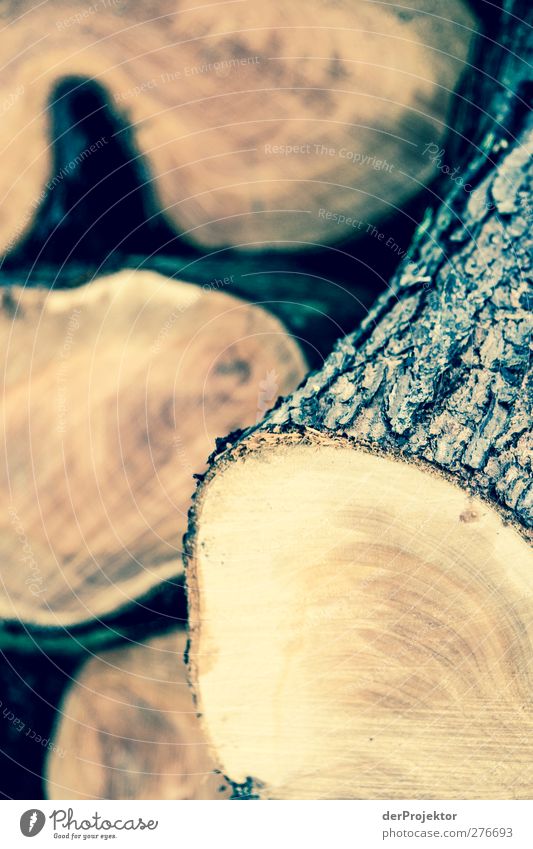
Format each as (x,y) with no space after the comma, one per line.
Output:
(127,729)
(251,124)
(114,393)
(359,564)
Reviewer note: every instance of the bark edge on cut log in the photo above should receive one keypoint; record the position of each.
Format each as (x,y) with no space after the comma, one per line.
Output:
(438,376)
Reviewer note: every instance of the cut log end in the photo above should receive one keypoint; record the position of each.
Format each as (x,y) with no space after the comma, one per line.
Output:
(259,126)
(128,730)
(362,630)
(114,394)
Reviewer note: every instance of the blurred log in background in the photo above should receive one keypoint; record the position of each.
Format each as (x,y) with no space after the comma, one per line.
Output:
(250,118)
(127,729)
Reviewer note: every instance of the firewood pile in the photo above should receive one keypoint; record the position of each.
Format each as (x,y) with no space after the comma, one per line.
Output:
(265,328)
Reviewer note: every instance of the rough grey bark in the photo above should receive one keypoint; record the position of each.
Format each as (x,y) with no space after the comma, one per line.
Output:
(439,372)
(442,372)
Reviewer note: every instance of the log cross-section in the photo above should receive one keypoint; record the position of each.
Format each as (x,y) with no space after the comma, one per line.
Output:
(127,729)
(113,395)
(250,117)
(359,569)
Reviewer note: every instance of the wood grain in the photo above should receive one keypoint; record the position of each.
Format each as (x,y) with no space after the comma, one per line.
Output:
(127,729)
(385,569)
(382,623)
(114,394)
(252,117)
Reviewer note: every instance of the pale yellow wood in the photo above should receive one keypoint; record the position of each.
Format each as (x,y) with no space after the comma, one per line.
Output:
(113,396)
(253,117)
(127,729)
(361,628)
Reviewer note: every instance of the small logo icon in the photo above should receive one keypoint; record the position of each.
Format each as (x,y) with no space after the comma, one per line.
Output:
(32,822)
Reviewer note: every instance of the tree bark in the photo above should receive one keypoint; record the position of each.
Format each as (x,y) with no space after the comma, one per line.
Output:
(419,421)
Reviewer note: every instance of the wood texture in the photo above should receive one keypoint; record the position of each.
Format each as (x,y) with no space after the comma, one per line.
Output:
(127,729)
(416,556)
(252,117)
(113,396)
(381,619)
